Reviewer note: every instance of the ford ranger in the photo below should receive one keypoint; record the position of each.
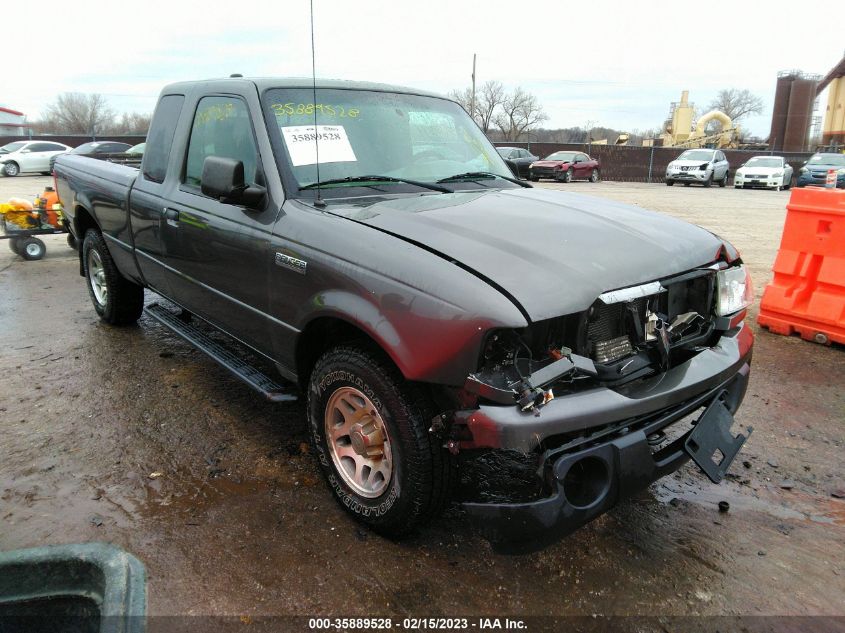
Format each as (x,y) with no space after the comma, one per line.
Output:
(457,334)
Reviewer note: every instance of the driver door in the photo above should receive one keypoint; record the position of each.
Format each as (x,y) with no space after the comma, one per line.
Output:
(217,254)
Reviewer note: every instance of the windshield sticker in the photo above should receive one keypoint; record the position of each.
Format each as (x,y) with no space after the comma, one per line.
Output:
(307,109)
(302,141)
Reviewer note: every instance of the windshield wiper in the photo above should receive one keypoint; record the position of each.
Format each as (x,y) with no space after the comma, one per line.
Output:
(478,175)
(348,179)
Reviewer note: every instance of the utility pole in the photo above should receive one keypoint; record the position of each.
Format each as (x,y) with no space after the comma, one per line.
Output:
(472,101)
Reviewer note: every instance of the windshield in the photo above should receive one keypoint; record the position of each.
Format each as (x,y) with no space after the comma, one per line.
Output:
(564,156)
(12,147)
(761,161)
(696,154)
(363,133)
(827,159)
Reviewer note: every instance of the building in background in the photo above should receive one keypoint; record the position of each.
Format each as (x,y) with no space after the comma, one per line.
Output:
(12,123)
(833,131)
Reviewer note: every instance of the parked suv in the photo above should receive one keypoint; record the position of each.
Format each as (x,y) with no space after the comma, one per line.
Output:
(29,156)
(704,166)
(814,171)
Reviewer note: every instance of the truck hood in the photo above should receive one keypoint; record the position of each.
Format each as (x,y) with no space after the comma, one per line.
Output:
(552,253)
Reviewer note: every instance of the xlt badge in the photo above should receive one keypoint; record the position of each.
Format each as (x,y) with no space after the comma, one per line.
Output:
(297,265)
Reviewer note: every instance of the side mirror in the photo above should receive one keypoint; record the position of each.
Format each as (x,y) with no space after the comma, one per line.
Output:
(223,179)
(513,167)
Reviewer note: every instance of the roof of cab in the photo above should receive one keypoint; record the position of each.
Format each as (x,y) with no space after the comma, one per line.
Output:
(265,83)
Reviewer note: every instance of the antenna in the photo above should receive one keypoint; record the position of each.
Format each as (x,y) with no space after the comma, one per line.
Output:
(319,202)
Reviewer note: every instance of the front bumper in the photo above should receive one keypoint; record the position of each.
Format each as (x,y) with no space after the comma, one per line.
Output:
(688,176)
(769,182)
(819,180)
(621,454)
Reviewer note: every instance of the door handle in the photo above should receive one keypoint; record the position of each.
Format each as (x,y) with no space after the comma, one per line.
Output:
(171,216)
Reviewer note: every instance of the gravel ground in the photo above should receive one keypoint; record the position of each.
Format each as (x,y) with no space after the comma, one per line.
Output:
(240,523)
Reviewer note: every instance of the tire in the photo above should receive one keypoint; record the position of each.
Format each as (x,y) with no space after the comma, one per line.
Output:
(669,183)
(570,174)
(421,472)
(724,181)
(594,175)
(72,242)
(32,249)
(14,244)
(11,169)
(687,184)
(117,300)
(46,173)
(535,179)
(709,181)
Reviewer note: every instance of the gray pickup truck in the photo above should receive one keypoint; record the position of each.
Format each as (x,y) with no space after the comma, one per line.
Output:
(459,335)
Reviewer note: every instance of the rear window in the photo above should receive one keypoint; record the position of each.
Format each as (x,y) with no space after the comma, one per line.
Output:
(160,137)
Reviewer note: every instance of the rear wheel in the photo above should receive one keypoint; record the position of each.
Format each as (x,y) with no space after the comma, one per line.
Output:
(11,169)
(687,184)
(594,175)
(535,179)
(724,180)
(14,245)
(32,249)
(117,300)
(369,429)
(669,183)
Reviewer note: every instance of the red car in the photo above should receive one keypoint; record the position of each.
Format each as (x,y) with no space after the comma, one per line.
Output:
(566,167)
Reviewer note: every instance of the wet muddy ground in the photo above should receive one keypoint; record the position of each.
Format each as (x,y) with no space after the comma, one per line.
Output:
(130,436)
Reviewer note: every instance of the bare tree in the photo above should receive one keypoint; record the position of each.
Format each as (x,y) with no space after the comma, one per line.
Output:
(520,112)
(737,103)
(129,123)
(488,97)
(77,113)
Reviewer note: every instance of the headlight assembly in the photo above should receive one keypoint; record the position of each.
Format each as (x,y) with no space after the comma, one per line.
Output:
(733,290)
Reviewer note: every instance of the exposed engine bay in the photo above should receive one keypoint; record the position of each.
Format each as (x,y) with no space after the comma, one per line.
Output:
(626,334)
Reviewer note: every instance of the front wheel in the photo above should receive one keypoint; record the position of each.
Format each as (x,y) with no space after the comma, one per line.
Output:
(570,174)
(669,183)
(709,181)
(594,175)
(117,300)
(11,169)
(370,433)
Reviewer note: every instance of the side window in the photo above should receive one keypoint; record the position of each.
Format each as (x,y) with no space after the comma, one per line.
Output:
(221,128)
(39,147)
(54,147)
(160,137)
(521,153)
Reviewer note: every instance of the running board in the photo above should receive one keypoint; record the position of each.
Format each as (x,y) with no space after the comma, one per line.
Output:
(251,375)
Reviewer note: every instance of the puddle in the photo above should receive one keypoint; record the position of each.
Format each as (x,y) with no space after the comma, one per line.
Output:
(788,505)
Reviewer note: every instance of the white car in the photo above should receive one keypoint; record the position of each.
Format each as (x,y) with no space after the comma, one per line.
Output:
(771,172)
(704,166)
(22,157)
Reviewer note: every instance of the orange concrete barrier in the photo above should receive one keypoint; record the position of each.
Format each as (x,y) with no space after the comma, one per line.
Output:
(807,294)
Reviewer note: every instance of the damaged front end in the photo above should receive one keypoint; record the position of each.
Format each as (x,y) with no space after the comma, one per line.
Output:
(569,415)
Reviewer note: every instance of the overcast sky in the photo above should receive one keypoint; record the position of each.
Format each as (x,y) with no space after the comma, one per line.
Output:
(613,63)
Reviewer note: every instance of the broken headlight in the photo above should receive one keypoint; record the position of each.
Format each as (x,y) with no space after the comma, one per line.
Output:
(733,290)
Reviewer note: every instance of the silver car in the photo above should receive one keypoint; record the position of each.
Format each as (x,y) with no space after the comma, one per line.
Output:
(703,166)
